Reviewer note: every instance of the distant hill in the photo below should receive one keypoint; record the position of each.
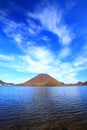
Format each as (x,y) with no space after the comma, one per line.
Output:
(42,80)
(77,84)
(2,83)
(85,83)
(81,84)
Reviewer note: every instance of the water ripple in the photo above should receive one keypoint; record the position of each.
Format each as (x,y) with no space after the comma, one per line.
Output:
(37,107)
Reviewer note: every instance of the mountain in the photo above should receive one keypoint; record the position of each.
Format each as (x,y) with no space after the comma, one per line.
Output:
(77,84)
(42,80)
(81,84)
(2,83)
(85,83)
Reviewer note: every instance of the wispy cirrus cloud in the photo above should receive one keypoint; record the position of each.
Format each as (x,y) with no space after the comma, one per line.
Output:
(6,58)
(64,52)
(13,29)
(51,18)
(21,33)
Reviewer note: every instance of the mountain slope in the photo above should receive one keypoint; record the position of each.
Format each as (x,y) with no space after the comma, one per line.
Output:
(2,82)
(42,80)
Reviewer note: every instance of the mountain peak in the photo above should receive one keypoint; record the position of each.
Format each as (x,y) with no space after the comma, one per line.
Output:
(42,74)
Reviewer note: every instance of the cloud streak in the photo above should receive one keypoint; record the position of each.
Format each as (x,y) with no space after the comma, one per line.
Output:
(51,18)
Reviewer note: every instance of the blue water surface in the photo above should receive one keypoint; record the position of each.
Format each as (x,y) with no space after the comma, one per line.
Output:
(37,107)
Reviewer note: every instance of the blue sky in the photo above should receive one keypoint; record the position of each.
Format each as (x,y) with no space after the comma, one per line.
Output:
(43,36)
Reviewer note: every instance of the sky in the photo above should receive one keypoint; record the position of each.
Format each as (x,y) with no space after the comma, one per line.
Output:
(43,36)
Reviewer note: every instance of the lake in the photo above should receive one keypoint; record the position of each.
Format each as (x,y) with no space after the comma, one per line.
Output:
(34,108)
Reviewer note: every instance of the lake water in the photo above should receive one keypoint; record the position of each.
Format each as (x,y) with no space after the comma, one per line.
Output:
(33,108)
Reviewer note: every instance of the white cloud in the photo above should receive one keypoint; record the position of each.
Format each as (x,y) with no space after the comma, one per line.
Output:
(33,28)
(18,38)
(81,63)
(6,57)
(14,30)
(40,53)
(51,18)
(17,31)
(81,60)
(64,52)
(45,38)
(64,34)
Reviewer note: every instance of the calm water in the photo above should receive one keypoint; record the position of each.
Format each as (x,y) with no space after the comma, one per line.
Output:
(37,107)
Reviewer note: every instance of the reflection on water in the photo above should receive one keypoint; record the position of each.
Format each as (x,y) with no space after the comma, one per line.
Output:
(37,107)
